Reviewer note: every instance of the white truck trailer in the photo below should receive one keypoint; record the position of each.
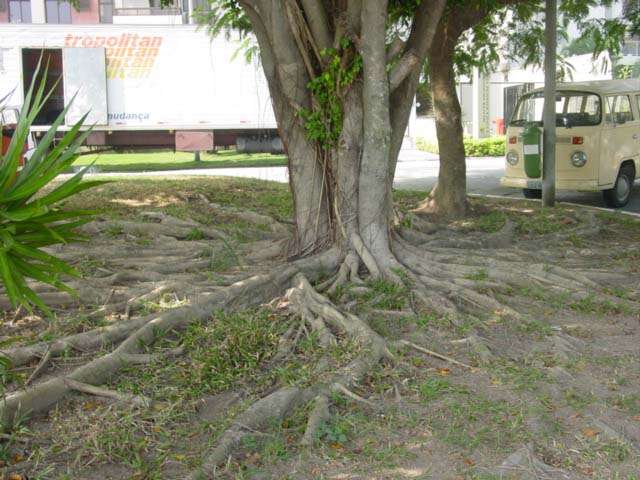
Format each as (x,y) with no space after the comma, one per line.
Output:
(145,86)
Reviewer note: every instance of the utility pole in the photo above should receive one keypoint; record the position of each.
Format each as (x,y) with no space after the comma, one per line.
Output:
(549,115)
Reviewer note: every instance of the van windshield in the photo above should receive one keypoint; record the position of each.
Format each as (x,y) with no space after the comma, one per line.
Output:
(573,109)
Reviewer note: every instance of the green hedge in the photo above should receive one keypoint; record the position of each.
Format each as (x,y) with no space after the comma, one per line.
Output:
(484,147)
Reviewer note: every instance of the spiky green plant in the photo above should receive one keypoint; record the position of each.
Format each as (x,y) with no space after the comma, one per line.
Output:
(30,214)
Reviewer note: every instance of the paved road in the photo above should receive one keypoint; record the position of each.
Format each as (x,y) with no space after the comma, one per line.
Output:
(417,171)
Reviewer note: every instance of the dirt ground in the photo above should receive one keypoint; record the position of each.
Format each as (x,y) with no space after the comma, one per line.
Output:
(551,394)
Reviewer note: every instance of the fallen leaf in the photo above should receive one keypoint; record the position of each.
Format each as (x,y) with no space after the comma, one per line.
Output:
(590,432)
(443,372)
(89,405)
(469,462)
(15,476)
(585,469)
(17,458)
(636,418)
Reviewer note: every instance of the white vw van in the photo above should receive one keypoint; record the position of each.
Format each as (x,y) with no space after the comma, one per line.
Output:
(598,140)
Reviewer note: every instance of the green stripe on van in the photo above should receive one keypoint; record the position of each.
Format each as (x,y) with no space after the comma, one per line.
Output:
(531,140)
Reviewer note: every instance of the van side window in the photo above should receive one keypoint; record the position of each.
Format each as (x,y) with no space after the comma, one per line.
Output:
(592,105)
(619,109)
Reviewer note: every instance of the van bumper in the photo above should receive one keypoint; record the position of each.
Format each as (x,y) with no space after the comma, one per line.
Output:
(536,184)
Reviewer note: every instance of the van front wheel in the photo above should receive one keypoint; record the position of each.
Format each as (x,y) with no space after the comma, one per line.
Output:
(619,195)
(531,193)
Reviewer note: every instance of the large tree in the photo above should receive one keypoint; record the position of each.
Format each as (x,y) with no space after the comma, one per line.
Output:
(342,77)
(471,34)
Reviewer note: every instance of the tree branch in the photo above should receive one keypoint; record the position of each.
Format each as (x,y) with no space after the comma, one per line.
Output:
(318,22)
(295,20)
(394,49)
(403,69)
(354,20)
(422,33)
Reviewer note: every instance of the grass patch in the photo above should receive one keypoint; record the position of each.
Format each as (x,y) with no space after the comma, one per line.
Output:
(591,305)
(435,387)
(480,422)
(405,200)
(627,403)
(626,222)
(491,222)
(520,377)
(126,197)
(385,295)
(478,276)
(225,352)
(528,221)
(151,161)
(538,328)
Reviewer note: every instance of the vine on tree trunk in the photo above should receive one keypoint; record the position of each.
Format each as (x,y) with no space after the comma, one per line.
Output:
(323,121)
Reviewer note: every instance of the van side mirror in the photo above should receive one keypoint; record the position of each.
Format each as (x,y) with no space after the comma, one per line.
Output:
(620,118)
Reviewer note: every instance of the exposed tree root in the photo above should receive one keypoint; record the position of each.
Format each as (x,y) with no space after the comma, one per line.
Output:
(84,342)
(272,407)
(139,400)
(434,354)
(161,224)
(318,416)
(442,281)
(312,306)
(44,361)
(457,278)
(252,291)
(276,227)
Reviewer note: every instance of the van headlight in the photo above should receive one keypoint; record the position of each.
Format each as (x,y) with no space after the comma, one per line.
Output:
(512,158)
(578,159)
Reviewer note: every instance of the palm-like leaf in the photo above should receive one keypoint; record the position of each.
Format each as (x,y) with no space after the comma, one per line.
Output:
(28,221)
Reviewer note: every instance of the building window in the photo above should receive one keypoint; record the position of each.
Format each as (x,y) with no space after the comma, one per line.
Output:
(58,11)
(106,11)
(631,46)
(19,11)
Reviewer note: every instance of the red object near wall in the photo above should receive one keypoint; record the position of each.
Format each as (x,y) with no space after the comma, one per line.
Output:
(500,128)
(194,141)
(5,140)
(87,12)
(4,11)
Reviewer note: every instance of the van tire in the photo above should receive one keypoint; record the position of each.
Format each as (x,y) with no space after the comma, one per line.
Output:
(532,193)
(618,196)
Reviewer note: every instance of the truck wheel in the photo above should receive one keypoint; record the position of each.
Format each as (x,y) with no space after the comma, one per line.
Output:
(531,193)
(619,195)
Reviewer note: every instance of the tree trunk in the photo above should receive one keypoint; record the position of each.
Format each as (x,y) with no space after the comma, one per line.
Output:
(287,80)
(449,197)
(374,189)
(342,190)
